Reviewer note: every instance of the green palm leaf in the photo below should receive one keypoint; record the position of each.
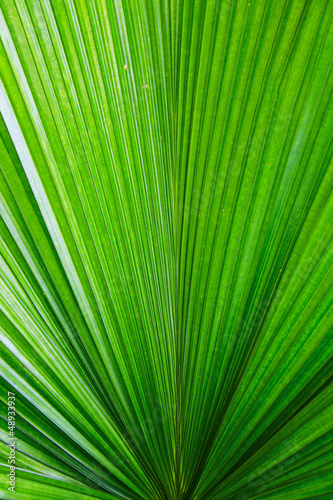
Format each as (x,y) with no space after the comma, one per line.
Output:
(166,248)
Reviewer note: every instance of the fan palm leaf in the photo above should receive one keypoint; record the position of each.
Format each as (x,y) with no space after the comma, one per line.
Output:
(166,248)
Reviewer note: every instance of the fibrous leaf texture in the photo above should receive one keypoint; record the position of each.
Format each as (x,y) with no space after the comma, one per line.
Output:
(166,248)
